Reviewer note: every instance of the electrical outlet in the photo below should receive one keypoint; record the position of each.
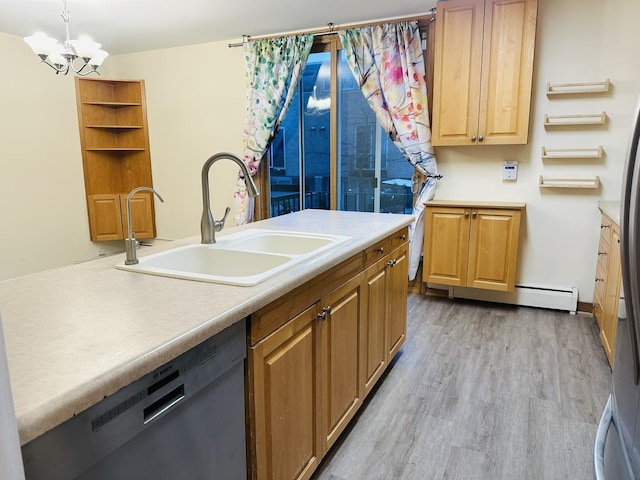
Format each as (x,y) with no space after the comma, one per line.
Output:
(510,170)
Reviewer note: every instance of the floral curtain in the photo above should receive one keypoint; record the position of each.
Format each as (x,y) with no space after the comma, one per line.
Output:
(388,64)
(274,67)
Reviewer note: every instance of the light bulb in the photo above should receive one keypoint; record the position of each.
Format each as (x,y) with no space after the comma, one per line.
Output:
(56,56)
(98,58)
(85,47)
(40,43)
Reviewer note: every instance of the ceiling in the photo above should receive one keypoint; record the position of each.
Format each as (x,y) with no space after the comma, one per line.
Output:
(125,26)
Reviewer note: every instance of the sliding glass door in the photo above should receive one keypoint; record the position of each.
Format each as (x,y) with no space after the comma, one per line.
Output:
(361,170)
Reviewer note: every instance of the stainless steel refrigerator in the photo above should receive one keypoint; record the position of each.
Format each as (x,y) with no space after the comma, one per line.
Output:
(617,445)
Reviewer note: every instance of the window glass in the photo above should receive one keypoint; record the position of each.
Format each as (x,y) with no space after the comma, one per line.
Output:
(372,174)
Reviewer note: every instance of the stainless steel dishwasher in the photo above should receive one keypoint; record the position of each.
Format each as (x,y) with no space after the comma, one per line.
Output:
(185,420)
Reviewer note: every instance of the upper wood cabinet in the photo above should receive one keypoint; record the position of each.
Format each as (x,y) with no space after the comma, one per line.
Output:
(483,69)
(472,245)
(114,139)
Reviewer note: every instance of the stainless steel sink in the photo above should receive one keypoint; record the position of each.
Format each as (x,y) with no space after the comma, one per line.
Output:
(245,258)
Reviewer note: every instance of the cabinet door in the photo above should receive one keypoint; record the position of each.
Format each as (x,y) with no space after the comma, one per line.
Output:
(339,327)
(105,219)
(457,64)
(142,218)
(483,71)
(397,301)
(446,245)
(611,296)
(284,409)
(507,71)
(493,249)
(372,340)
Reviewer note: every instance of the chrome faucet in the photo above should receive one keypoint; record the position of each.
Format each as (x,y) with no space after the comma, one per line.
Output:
(130,244)
(209,226)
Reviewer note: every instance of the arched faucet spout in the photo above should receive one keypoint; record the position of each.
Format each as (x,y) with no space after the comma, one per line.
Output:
(130,244)
(209,226)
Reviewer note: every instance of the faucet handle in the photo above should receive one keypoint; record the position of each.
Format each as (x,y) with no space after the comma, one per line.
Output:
(219,224)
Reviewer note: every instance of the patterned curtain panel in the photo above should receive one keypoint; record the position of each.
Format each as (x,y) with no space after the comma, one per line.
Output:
(388,64)
(273,67)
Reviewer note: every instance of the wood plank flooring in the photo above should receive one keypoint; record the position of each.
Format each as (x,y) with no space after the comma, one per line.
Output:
(480,391)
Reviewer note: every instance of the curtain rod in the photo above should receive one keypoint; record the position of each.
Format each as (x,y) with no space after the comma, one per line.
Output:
(331,28)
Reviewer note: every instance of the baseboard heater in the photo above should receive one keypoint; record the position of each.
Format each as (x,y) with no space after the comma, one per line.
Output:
(552,298)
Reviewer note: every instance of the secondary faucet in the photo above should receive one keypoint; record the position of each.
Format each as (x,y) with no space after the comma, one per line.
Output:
(209,226)
(130,244)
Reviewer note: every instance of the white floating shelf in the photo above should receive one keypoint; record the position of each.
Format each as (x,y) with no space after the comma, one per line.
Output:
(556,153)
(581,119)
(578,88)
(546,182)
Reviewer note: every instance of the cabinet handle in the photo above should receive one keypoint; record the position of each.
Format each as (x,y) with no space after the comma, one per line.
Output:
(473,139)
(602,253)
(403,237)
(466,214)
(605,226)
(599,279)
(474,214)
(380,250)
(326,311)
(480,138)
(392,263)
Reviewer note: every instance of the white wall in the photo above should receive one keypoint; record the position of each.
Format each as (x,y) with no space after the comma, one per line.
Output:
(195,101)
(43,221)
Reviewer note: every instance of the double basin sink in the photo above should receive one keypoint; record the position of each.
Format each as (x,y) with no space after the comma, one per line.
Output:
(245,258)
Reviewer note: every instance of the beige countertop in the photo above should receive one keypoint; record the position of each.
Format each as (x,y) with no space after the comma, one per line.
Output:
(79,333)
(611,209)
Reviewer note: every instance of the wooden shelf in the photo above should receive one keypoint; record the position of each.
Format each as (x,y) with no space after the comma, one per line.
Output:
(115,149)
(577,88)
(566,153)
(114,104)
(579,119)
(115,156)
(115,127)
(547,182)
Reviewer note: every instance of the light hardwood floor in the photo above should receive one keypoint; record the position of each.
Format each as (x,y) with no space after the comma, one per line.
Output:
(480,391)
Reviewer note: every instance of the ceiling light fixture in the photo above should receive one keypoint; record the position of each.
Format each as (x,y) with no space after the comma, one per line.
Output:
(62,58)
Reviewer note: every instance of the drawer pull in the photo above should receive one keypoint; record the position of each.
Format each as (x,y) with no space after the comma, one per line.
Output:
(602,253)
(403,237)
(466,214)
(392,263)
(605,226)
(326,311)
(380,250)
(474,214)
(473,139)
(599,279)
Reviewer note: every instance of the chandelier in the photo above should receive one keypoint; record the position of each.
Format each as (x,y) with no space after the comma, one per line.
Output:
(83,56)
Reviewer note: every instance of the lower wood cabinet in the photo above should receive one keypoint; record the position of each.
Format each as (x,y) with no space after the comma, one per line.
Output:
(607,285)
(309,363)
(108,216)
(472,244)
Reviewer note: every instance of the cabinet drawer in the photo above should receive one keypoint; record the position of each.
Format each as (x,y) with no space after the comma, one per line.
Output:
(376,251)
(398,238)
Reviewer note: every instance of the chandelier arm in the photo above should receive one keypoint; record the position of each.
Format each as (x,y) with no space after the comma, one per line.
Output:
(63,70)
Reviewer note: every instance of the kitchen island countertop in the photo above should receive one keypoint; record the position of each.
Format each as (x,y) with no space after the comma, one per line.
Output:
(79,333)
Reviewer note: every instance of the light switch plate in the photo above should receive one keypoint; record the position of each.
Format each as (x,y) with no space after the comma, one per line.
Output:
(510,170)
